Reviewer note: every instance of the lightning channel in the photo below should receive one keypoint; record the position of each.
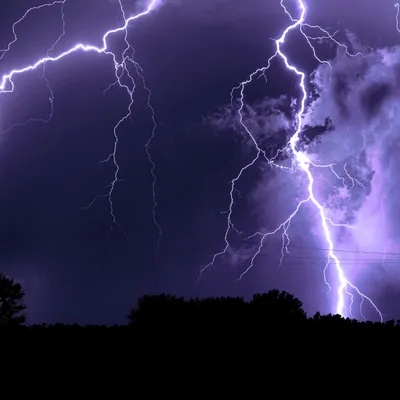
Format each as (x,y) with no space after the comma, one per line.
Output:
(301,162)
(121,69)
(3,52)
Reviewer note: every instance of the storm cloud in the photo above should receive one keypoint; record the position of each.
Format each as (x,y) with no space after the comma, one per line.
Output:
(356,111)
(360,95)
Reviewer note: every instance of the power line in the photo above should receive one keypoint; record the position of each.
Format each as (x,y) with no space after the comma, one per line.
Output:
(325,249)
(289,256)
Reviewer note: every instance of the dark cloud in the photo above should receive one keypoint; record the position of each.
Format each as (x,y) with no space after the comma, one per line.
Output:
(341,89)
(373,97)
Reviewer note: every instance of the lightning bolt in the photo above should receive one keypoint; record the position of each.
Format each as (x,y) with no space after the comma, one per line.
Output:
(123,69)
(3,52)
(301,162)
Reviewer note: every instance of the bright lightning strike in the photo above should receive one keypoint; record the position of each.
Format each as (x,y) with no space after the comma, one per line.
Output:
(299,158)
(300,161)
(121,70)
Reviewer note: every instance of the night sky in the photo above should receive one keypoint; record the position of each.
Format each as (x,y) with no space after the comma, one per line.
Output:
(76,266)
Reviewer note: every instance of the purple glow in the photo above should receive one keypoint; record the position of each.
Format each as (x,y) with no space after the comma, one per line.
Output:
(299,159)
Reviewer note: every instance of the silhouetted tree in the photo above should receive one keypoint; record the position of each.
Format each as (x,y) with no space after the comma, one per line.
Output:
(11,302)
(158,310)
(279,305)
(195,320)
(175,314)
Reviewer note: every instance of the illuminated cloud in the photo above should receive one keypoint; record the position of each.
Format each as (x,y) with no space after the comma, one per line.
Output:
(361,96)
(265,119)
(353,154)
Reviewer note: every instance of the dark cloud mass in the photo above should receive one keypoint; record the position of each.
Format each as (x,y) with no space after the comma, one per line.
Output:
(374,97)
(193,53)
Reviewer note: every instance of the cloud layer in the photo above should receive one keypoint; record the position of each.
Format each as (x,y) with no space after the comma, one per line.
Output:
(356,114)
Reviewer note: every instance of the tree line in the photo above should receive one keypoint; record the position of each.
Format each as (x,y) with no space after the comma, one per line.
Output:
(164,315)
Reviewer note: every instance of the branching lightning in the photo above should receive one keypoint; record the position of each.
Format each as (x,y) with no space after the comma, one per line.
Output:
(3,52)
(122,69)
(126,66)
(301,162)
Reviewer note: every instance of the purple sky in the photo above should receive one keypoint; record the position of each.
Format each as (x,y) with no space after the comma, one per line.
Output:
(192,55)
